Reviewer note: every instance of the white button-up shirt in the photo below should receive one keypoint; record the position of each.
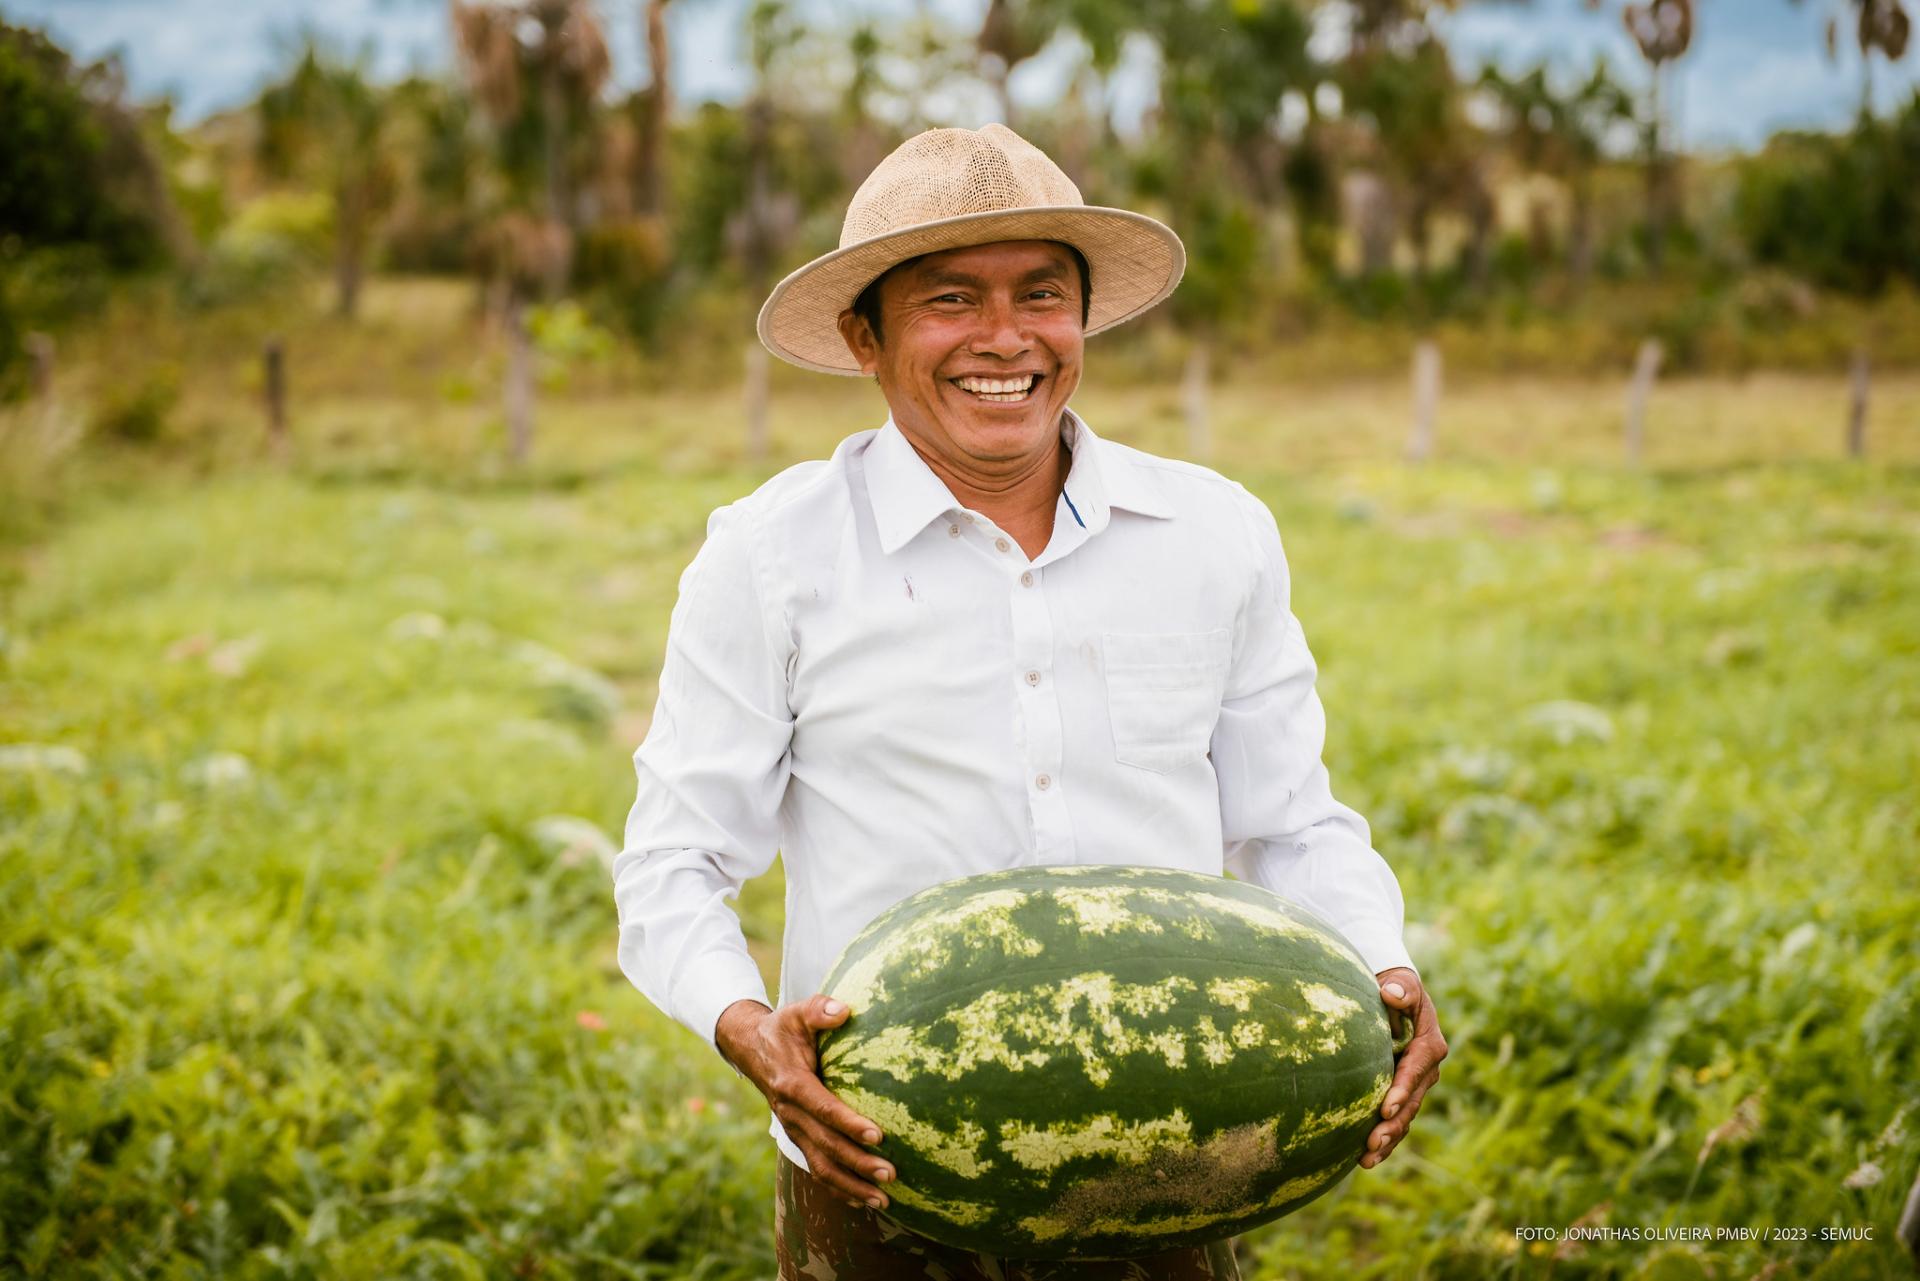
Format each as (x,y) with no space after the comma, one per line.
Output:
(877,684)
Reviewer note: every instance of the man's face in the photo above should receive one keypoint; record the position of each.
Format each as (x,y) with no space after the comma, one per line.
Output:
(1007,312)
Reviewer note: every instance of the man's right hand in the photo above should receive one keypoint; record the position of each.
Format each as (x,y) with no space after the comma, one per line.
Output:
(775,1050)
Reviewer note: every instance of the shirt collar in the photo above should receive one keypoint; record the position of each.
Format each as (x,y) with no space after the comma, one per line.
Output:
(907,496)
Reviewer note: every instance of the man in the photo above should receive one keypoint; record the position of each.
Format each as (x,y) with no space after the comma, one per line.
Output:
(977,637)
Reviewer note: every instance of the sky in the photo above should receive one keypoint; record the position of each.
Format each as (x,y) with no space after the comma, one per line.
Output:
(1756,66)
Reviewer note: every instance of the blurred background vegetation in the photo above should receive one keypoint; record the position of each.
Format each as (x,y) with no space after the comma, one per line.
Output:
(353,439)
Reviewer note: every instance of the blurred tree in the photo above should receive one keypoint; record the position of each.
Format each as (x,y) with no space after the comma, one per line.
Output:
(75,169)
(81,190)
(1663,31)
(1842,210)
(537,68)
(1878,25)
(656,113)
(323,123)
(769,215)
(1225,65)
(1398,78)
(1013,31)
(1562,134)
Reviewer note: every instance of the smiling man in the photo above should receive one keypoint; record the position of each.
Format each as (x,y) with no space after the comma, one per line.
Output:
(978,637)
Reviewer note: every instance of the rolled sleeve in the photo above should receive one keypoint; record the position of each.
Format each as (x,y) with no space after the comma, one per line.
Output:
(1281,826)
(711,775)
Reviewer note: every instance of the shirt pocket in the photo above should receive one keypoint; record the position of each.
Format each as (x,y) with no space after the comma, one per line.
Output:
(1163,694)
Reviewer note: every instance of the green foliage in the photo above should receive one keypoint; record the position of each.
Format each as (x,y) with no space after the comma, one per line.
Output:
(73,166)
(1843,210)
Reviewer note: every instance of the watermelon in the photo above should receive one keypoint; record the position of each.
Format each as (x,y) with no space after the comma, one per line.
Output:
(1095,1062)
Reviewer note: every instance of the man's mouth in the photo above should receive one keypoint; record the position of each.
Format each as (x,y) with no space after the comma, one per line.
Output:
(1000,391)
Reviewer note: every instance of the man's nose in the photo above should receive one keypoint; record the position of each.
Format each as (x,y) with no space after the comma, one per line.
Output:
(1001,331)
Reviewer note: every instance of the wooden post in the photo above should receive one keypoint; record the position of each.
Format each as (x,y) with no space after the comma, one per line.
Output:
(1426,399)
(1646,367)
(1857,409)
(274,357)
(40,364)
(756,395)
(1193,399)
(519,388)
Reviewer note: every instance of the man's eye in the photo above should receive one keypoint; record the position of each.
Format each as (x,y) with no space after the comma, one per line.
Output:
(949,298)
(1050,292)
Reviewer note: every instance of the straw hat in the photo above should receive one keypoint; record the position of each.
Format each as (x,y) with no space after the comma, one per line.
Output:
(946,188)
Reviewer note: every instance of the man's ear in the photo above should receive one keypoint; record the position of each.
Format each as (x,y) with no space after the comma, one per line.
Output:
(858,336)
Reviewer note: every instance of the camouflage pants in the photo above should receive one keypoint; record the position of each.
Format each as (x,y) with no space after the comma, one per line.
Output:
(820,1237)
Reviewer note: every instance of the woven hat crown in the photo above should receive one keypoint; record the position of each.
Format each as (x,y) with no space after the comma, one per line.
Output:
(954,188)
(943,173)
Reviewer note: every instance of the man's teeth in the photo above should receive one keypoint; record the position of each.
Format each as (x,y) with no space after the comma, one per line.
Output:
(998,388)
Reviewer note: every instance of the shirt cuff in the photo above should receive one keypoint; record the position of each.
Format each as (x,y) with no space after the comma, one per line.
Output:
(723,978)
(1379,944)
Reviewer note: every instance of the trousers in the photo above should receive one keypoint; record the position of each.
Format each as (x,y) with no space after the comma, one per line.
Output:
(819,1237)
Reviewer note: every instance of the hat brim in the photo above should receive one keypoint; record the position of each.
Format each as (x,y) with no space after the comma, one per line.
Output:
(1134,261)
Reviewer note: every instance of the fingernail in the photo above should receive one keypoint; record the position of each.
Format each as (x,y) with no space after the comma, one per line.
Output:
(877,1203)
(1389,1110)
(883,1174)
(833,1008)
(871,1136)
(1394,990)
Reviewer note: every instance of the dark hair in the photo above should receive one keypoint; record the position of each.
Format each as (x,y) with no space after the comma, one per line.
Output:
(867,305)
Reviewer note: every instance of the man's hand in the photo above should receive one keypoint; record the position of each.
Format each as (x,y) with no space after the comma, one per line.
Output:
(774,1050)
(1419,1065)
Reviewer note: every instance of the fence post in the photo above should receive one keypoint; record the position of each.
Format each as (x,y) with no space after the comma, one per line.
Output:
(1857,409)
(519,388)
(1193,399)
(756,399)
(1426,399)
(1646,366)
(275,358)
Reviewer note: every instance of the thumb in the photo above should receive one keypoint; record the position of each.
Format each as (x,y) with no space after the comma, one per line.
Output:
(823,1011)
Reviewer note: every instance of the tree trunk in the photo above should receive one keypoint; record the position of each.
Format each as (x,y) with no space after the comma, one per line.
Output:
(519,388)
(756,399)
(1656,183)
(1193,398)
(1645,368)
(553,157)
(275,359)
(1857,407)
(651,198)
(1426,399)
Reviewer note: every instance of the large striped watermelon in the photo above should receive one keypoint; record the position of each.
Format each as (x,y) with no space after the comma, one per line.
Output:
(1091,1062)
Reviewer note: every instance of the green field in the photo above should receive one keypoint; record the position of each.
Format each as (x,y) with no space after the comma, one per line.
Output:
(308,772)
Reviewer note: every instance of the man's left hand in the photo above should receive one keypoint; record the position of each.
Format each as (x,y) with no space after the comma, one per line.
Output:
(1419,1063)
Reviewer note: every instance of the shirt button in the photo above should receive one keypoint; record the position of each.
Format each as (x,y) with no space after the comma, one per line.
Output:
(1033,678)
(1026,579)
(969,516)
(1043,782)
(1001,543)
(953,531)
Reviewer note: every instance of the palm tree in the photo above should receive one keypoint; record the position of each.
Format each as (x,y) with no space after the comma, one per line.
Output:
(536,66)
(1662,30)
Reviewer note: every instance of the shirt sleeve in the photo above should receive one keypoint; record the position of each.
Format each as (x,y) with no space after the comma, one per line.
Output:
(1283,829)
(712,771)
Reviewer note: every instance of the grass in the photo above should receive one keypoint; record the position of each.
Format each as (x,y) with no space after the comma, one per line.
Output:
(307,773)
